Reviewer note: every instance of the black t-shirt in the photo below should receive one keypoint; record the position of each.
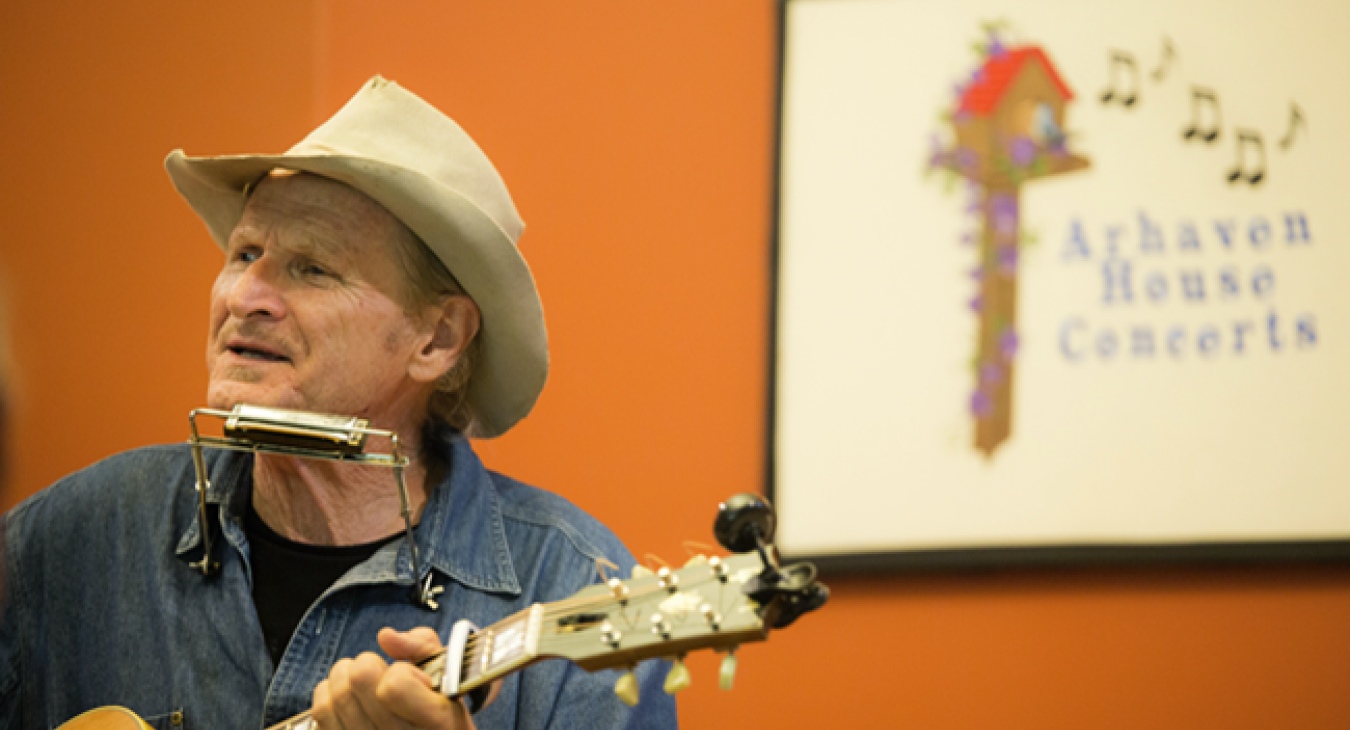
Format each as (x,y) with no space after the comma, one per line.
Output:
(288,577)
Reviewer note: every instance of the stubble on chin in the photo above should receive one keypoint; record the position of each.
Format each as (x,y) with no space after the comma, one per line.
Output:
(225,391)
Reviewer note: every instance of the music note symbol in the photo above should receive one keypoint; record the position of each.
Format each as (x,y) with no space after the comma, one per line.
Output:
(1202,99)
(1295,119)
(1121,66)
(1169,54)
(1247,138)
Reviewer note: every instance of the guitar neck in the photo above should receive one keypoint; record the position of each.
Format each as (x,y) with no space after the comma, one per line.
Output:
(615,624)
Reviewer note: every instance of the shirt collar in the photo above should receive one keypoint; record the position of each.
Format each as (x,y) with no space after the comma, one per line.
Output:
(461,533)
(229,481)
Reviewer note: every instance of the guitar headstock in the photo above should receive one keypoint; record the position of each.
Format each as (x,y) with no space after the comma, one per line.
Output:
(711,603)
(664,614)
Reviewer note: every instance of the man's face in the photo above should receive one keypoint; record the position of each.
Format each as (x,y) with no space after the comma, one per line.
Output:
(304,314)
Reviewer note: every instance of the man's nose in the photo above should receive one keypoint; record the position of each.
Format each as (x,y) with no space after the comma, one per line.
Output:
(258,291)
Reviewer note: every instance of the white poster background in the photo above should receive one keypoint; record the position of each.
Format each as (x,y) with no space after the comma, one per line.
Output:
(873,432)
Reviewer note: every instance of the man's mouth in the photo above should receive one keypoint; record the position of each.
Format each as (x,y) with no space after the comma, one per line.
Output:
(253,353)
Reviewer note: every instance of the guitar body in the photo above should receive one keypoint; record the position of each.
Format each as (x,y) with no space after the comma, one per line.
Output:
(106,718)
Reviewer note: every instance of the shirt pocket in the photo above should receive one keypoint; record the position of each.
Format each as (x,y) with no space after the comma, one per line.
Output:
(175,720)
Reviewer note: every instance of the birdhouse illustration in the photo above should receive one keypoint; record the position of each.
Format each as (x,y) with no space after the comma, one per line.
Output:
(1008,121)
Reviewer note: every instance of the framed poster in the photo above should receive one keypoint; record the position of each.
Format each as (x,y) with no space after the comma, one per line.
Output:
(1062,282)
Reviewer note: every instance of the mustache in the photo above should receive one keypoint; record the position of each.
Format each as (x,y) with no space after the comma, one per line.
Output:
(260,333)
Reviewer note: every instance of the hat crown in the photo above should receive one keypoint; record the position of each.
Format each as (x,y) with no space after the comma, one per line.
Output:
(388,123)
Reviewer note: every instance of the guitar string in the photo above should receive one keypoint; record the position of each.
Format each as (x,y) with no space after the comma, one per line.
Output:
(574,605)
(471,657)
(570,606)
(309,714)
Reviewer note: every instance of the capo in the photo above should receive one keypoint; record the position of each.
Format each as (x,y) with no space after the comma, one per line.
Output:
(475,698)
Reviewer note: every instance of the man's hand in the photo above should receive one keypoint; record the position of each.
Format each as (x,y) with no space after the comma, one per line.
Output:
(365,693)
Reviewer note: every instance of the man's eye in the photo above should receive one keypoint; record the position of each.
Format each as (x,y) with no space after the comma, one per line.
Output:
(312,269)
(248,256)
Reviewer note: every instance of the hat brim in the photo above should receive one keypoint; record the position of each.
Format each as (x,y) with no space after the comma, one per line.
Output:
(513,351)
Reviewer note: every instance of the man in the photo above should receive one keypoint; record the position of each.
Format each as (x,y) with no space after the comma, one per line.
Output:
(370,271)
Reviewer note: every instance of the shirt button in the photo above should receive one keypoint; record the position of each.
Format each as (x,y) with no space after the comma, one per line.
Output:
(176,718)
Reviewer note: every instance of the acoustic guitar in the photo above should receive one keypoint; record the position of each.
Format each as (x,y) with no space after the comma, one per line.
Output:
(711,603)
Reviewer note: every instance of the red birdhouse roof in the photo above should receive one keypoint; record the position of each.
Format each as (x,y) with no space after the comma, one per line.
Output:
(997,75)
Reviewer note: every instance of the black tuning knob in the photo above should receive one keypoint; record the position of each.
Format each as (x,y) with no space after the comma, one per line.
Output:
(744,522)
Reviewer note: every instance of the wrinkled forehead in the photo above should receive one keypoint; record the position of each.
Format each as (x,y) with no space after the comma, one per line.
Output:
(304,211)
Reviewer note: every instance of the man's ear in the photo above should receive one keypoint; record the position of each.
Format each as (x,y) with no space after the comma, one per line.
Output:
(454,325)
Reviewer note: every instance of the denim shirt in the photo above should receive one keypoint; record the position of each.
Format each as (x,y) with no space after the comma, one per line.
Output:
(102,607)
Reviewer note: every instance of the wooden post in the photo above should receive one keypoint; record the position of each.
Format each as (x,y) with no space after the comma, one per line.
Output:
(991,403)
(1000,183)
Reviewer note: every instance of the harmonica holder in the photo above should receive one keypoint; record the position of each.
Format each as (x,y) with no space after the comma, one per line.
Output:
(306,436)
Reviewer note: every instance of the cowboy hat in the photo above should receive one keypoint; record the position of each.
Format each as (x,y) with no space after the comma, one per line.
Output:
(416,162)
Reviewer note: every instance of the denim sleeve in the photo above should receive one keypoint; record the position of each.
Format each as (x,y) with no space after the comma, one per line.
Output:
(589,701)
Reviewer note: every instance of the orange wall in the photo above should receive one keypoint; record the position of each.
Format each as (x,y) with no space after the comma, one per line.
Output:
(637,139)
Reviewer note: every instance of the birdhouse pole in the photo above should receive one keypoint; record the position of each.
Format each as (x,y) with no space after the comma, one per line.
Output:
(996,306)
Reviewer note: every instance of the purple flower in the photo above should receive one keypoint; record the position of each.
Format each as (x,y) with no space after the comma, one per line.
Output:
(981,404)
(1005,230)
(1007,344)
(966,158)
(990,374)
(996,48)
(1022,151)
(936,160)
(1003,204)
(1007,260)
(1003,209)
(977,273)
(977,304)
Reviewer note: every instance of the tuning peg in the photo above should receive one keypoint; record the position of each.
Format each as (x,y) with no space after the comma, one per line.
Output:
(710,614)
(743,521)
(696,560)
(678,679)
(627,688)
(719,569)
(642,571)
(727,675)
(660,626)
